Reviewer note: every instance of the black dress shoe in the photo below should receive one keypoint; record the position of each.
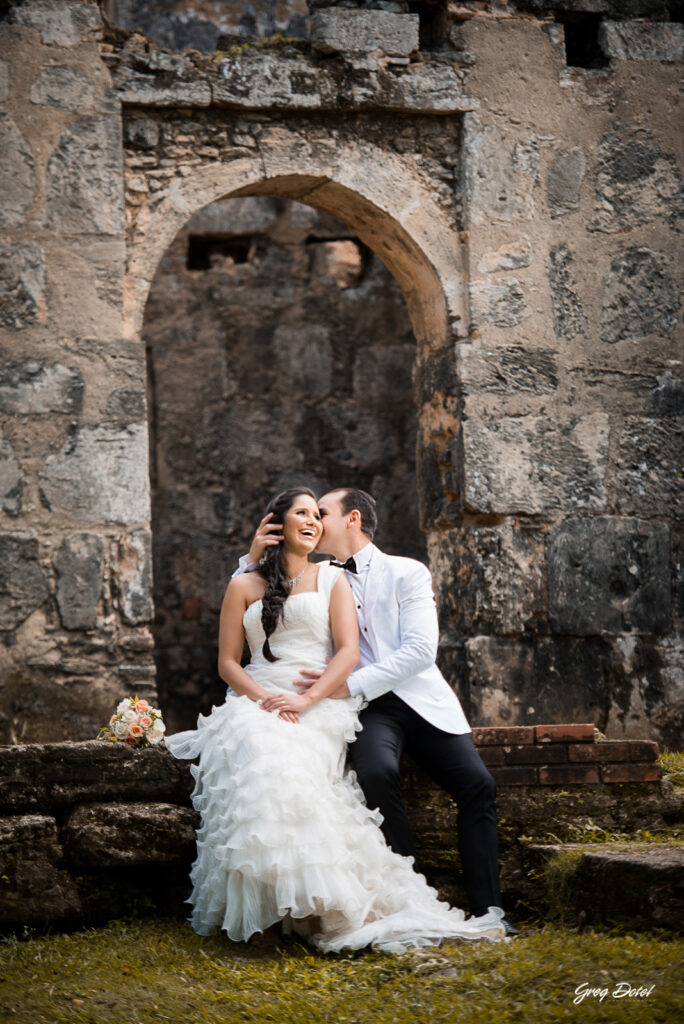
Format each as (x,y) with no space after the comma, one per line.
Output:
(510,930)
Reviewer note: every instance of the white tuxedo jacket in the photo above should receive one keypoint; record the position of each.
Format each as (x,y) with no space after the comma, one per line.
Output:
(402,631)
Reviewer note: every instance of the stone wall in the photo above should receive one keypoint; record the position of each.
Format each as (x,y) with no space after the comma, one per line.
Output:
(94,830)
(527,200)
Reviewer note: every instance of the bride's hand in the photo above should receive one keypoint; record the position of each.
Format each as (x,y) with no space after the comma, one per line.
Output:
(287,716)
(284,702)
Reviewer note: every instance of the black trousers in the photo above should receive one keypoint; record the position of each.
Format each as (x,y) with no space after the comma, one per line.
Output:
(391,727)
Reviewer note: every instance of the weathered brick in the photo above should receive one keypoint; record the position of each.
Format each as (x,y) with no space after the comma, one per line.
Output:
(500,735)
(515,775)
(631,773)
(548,753)
(598,752)
(583,733)
(642,750)
(568,775)
(493,755)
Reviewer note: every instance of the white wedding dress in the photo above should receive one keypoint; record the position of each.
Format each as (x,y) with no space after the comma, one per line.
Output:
(285,833)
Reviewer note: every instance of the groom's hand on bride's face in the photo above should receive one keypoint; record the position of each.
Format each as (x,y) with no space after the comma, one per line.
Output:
(267,535)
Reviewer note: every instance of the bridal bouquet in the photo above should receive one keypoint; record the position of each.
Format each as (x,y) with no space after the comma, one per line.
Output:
(135,723)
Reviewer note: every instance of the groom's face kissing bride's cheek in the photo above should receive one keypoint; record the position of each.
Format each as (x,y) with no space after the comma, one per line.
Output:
(302,525)
(334,521)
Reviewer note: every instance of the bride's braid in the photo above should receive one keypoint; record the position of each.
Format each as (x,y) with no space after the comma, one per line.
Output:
(271,569)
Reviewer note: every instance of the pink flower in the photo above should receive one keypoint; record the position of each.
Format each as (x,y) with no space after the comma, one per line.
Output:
(145,721)
(135,730)
(131,740)
(141,705)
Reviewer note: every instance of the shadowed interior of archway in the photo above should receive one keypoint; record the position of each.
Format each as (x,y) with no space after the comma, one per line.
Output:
(279,351)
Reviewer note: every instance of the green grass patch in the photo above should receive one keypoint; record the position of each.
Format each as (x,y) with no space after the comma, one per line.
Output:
(147,972)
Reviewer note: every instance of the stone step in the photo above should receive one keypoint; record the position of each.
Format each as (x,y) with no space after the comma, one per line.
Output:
(636,884)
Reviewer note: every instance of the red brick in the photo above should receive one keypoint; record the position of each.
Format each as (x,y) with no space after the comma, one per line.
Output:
(631,772)
(524,775)
(548,753)
(568,775)
(565,733)
(602,751)
(495,736)
(492,755)
(642,750)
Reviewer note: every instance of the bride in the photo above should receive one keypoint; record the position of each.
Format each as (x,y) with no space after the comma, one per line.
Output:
(286,839)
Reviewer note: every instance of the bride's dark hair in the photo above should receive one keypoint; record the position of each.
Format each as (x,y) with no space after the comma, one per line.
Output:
(271,568)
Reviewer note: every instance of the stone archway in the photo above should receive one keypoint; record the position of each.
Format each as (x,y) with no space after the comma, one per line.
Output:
(386,205)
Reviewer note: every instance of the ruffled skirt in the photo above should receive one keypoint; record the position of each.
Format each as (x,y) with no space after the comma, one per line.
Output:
(285,835)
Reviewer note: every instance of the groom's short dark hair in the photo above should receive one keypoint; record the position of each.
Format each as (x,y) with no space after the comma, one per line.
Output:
(353,498)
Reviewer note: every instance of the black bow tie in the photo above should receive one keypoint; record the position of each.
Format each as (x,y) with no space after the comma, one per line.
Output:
(349,565)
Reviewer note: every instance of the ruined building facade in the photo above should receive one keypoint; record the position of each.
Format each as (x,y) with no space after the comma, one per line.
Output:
(429,247)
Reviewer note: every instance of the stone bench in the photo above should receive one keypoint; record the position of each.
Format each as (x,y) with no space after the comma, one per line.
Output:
(93,830)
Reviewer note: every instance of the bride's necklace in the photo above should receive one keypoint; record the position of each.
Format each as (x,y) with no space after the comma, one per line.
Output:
(295,579)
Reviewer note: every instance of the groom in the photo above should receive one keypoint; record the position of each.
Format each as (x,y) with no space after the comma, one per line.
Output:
(410,705)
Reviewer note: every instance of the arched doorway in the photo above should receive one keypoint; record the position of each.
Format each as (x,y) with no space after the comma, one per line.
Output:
(384,209)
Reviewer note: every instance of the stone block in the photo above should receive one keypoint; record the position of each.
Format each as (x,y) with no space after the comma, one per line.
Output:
(143,133)
(507,371)
(84,188)
(340,32)
(17,174)
(79,563)
(668,397)
(497,303)
(63,24)
(34,890)
(246,215)
(508,257)
(118,835)
(515,775)
(516,681)
(34,387)
(11,481)
(533,464)
(636,183)
(134,577)
(568,316)
(61,775)
(382,374)
(564,182)
(643,41)
(128,403)
(22,284)
(489,579)
(609,575)
(500,180)
(100,473)
(63,87)
(639,297)
(435,373)
(23,586)
(648,478)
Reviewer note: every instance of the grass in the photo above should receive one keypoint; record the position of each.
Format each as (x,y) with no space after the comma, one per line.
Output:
(152,971)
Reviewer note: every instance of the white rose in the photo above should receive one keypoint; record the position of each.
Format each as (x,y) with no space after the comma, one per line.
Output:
(122,706)
(120,730)
(129,716)
(157,730)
